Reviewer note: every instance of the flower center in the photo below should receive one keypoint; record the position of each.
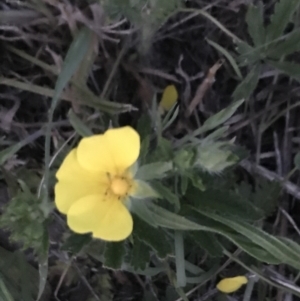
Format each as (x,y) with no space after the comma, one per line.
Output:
(119,186)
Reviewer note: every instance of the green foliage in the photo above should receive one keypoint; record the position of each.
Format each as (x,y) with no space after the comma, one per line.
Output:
(283,12)
(270,45)
(147,16)
(18,278)
(154,238)
(264,196)
(24,218)
(255,22)
(224,202)
(114,254)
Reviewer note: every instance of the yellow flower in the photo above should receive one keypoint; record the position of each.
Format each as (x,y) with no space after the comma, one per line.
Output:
(94,182)
(230,285)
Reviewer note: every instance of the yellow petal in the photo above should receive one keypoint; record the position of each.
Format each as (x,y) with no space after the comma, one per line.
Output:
(169,97)
(117,224)
(230,285)
(76,182)
(114,151)
(107,219)
(83,215)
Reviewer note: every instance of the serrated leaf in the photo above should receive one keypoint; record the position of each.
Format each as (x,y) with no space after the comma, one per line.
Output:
(255,22)
(154,238)
(266,196)
(283,12)
(167,194)
(163,151)
(248,85)
(208,242)
(228,56)
(152,171)
(197,182)
(289,45)
(78,125)
(113,254)
(75,243)
(289,68)
(140,254)
(224,202)
(220,117)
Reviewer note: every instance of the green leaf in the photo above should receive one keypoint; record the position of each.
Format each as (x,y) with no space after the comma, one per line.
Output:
(141,209)
(283,12)
(225,202)
(255,22)
(289,68)
(297,160)
(248,85)
(249,56)
(167,219)
(4,293)
(113,254)
(7,153)
(220,117)
(242,242)
(271,244)
(78,125)
(205,276)
(208,242)
(144,126)
(75,55)
(228,56)
(266,195)
(170,117)
(140,254)
(197,182)
(152,171)
(289,45)
(184,182)
(144,150)
(144,191)
(154,238)
(163,151)
(76,242)
(167,194)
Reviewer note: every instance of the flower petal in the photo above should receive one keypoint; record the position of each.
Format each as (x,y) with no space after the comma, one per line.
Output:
(68,193)
(76,182)
(83,215)
(107,219)
(230,285)
(117,224)
(114,151)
